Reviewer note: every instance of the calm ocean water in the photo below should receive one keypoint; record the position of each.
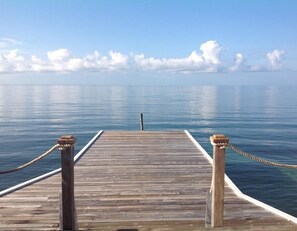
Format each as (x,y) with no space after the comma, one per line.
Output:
(260,120)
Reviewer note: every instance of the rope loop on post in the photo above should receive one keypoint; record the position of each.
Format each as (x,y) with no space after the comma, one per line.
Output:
(220,145)
(63,146)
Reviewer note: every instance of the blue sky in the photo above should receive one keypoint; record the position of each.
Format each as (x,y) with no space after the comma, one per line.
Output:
(153,41)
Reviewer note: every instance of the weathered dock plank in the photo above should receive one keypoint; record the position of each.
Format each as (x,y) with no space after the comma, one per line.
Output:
(135,180)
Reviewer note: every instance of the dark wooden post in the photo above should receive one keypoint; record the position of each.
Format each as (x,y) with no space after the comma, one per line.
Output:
(218,180)
(68,215)
(141,122)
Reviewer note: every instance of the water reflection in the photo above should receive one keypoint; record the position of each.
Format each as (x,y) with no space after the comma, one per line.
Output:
(251,116)
(206,102)
(237,99)
(117,102)
(271,96)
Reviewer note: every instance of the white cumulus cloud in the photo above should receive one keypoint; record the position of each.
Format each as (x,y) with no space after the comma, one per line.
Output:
(13,62)
(211,52)
(96,61)
(239,63)
(207,60)
(61,60)
(58,55)
(274,59)
(118,58)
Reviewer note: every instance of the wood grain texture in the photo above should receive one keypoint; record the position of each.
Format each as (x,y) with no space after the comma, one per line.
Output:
(218,185)
(135,180)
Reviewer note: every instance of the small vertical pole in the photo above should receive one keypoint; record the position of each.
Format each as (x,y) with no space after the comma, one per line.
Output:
(218,180)
(141,122)
(67,164)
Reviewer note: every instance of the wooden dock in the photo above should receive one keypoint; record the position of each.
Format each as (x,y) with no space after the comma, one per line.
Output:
(136,181)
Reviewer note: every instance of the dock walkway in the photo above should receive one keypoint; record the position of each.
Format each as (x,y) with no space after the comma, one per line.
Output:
(135,181)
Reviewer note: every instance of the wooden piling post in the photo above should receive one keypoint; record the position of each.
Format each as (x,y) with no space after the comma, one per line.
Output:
(68,216)
(218,180)
(141,122)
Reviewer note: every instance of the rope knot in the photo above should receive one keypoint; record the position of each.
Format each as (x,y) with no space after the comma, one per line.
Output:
(62,147)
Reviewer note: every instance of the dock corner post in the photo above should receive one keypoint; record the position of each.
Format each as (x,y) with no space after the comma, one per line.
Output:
(218,179)
(68,213)
(141,122)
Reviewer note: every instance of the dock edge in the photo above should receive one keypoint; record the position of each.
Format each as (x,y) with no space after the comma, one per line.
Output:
(237,191)
(51,173)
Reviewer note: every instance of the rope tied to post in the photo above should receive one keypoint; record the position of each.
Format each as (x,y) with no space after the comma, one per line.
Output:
(43,155)
(253,157)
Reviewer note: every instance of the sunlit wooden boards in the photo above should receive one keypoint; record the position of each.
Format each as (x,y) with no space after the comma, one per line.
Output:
(135,180)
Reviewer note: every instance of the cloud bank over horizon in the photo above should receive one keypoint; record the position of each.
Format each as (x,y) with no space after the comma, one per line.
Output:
(207,60)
